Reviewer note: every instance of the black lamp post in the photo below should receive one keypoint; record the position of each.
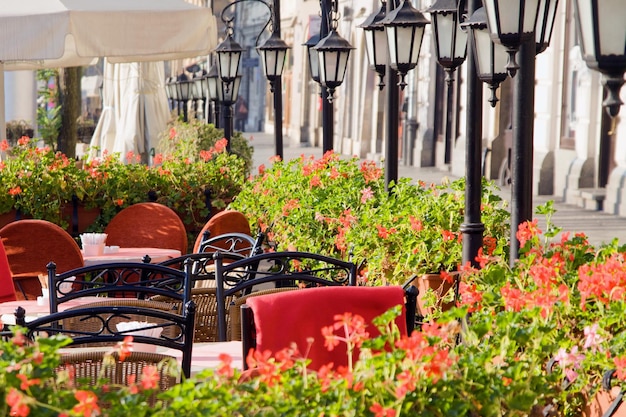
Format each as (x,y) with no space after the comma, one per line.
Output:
(328,56)
(273,53)
(601,30)
(227,93)
(524,25)
(228,60)
(183,89)
(171,87)
(512,22)
(199,94)
(168,92)
(451,49)
(314,65)
(404,29)
(214,91)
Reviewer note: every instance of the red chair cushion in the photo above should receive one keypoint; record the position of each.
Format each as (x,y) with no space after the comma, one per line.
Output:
(295,316)
(7,290)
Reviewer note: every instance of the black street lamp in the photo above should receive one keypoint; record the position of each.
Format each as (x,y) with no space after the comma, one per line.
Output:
(170,91)
(512,22)
(404,31)
(472,227)
(491,58)
(314,64)
(273,53)
(328,59)
(184,93)
(451,49)
(200,93)
(333,53)
(376,42)
(404,27)
(214,91)
(601,29)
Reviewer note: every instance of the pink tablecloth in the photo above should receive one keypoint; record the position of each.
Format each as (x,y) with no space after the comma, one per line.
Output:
(34,310)
(206,355)
(132,255)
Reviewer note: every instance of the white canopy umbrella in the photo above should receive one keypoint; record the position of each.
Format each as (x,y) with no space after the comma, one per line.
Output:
(135,108)
(63,33)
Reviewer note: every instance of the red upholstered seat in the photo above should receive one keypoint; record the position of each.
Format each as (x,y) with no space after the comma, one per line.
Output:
(30,245)
(227,221)
(147,225)
(295,316)
(7,290)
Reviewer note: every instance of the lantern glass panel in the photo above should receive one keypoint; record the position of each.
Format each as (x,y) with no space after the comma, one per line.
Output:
(279,63)
(418,34)
(485,50)
(612,27)
(445,32)
(392,43)
(329,63)
(314,63)
(543,29)
(492,20)
(228,64)
(530,15)
(460,49)
(376,46)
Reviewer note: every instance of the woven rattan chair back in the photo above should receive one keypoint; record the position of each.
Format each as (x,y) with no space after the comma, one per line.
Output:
(206,313)
(89,366)
(94,324)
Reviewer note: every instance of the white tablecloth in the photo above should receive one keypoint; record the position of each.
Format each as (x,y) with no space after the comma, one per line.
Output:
(132,255)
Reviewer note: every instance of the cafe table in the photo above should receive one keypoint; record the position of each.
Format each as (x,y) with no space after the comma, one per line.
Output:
(35,309)
(156,255)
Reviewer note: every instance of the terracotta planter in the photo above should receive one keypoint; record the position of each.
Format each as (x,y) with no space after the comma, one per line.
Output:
(436,283)
(601,402)
(79,217)
(11,216)
(6,218)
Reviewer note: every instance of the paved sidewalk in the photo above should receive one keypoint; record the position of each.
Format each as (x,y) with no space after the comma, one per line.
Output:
(598,226)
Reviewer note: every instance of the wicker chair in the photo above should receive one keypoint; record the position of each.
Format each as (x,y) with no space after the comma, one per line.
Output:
(110,321)
(227,221)
(30,245)
(88,366)
(281,269)
(96,323)
(206,313)
(151,225)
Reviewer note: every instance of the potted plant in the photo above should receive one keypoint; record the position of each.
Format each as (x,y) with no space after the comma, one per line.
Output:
(38,181)
(340,208)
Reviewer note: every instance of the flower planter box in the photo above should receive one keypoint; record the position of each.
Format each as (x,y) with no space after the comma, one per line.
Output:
(602,402)
(436,283)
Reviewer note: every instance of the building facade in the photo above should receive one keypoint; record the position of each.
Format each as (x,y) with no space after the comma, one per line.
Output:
(577,152)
